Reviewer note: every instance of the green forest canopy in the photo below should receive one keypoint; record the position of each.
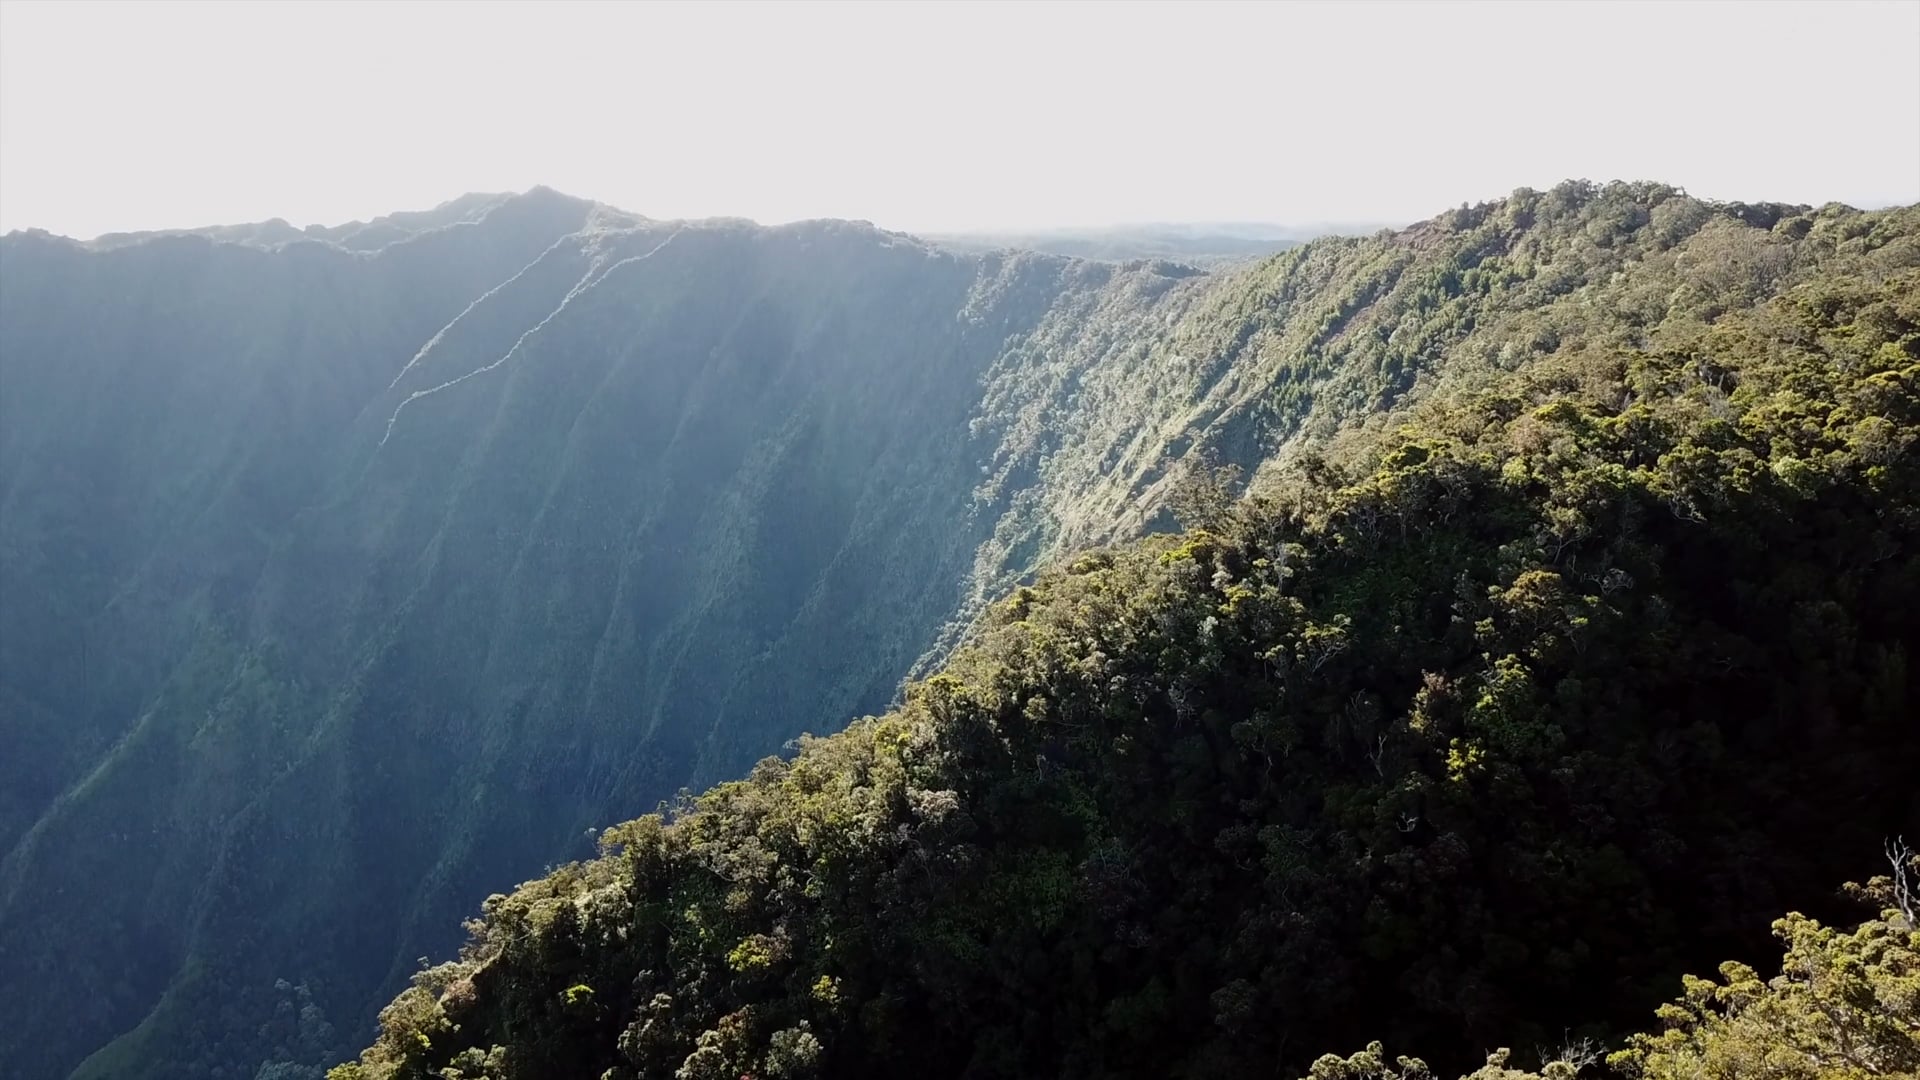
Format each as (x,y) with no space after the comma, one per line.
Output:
(1475,728)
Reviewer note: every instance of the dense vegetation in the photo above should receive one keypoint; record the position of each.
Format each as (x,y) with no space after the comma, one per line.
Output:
(1479,736)
(1563,643)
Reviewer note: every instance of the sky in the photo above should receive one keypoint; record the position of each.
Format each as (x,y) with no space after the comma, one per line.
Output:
(941,117)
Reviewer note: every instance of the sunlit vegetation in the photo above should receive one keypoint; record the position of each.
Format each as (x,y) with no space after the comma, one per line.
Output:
(1477,726)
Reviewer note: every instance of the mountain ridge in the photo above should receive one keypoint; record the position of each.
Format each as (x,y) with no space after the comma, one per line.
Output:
(1487,728)
(642,528)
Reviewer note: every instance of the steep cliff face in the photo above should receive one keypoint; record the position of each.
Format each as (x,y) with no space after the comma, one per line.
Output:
(345,585)
(351,575)
(1479,730)
(168,408)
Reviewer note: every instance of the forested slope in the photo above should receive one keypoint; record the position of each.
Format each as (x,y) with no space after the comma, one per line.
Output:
(353,575)
(1566,686)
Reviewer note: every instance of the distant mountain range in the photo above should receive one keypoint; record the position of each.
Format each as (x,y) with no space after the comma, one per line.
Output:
(1202,243)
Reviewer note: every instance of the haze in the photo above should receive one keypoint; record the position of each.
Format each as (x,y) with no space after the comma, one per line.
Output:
(940,117)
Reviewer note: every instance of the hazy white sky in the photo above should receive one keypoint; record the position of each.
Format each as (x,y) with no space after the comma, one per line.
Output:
(151,115)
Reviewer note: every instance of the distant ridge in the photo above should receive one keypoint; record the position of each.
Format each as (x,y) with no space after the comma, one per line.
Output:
(1200,242)
(371,235)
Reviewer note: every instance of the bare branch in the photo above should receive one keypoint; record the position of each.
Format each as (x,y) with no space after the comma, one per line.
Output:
(1905,863)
